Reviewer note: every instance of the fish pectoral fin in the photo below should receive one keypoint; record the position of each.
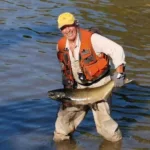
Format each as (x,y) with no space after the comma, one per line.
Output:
(66,103)
(94,106)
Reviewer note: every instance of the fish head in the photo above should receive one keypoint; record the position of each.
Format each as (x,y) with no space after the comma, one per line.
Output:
(56,94)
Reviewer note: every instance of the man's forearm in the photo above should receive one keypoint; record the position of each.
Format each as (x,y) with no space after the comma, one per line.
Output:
(120,69)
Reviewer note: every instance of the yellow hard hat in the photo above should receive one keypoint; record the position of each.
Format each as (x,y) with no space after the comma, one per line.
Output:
(65,19)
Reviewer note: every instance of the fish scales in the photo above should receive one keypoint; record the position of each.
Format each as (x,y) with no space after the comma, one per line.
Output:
(83,96)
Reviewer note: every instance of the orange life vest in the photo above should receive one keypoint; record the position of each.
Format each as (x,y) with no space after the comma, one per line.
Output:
(92,66)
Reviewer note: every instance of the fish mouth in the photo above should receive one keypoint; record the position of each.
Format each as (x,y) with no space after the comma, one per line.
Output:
(51,94)
(56,95)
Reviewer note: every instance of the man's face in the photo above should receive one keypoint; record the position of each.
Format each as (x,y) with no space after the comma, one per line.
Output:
(70,32)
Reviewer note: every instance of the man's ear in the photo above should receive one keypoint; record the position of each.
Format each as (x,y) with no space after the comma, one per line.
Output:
(76,22)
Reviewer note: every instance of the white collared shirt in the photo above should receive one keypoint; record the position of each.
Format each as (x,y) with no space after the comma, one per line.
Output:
(76,50)
(110,48)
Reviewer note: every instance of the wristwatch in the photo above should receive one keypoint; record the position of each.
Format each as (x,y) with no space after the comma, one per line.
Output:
(120,75)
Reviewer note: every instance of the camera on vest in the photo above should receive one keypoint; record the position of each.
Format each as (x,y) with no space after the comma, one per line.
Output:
(81,76)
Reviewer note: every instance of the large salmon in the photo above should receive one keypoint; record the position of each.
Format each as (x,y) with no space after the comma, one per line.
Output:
(83,96)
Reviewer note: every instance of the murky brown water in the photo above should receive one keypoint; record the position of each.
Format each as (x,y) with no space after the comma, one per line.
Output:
(29,68)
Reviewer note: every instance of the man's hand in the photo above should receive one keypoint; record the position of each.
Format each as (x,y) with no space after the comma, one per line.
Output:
(118,79)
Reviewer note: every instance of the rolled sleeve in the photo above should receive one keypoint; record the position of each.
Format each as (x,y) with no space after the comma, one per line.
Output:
(110,48)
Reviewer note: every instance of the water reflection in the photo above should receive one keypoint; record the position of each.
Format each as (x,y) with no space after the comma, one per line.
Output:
(66,145)
(72,145)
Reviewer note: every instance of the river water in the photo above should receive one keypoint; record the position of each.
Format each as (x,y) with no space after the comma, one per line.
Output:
(29,68)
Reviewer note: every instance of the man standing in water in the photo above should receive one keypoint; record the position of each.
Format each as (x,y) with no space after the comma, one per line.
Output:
(84,58)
